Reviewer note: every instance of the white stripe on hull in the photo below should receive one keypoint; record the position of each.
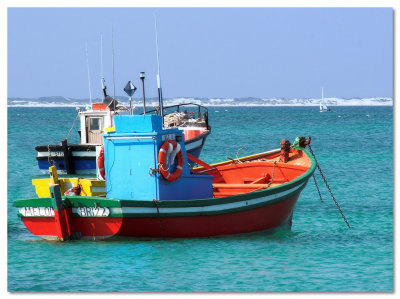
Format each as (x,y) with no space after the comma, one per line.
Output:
(211,208)
(193,145)
(188,146)
(74,154)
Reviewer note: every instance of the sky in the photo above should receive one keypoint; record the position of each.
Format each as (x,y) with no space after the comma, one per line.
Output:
(203,52)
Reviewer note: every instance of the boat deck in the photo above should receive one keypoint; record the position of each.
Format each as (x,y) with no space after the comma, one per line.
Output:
(255,173)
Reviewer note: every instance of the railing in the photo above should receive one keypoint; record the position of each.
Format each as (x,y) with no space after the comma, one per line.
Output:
(178,108)
(199,111)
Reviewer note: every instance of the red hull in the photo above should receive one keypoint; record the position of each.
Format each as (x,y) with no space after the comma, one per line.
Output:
(83,227)
(254,220)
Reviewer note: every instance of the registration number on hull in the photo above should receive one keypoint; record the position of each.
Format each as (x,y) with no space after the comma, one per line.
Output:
(91,211)
(49,212)
(36,211)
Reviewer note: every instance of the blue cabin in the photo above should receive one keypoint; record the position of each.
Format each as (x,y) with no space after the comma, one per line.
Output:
(131,162)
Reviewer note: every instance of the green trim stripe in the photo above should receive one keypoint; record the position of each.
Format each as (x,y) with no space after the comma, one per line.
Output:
(216,209)
(209,206)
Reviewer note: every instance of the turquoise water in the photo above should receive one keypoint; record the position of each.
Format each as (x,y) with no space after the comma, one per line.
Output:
(354,146)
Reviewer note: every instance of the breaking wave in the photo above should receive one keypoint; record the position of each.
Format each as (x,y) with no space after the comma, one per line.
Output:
(67,102)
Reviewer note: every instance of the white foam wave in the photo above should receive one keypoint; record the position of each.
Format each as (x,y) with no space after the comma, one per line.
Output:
(217,102)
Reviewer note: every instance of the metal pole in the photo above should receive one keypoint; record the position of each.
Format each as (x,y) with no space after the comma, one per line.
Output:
(144,97)
(112,43)
(87,64)
(158,76)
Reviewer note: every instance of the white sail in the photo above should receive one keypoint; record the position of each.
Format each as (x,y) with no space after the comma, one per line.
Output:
(322,105)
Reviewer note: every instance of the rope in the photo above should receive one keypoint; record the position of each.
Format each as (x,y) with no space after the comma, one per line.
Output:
(159,218)
(316,185)
(329,189)
(237,154)
(174,119)
(49,159)
(70,130)
(273,175)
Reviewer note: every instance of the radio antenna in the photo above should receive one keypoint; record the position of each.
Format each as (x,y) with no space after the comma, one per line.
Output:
(103,86)
(87,64)
(160,99)
(112,43)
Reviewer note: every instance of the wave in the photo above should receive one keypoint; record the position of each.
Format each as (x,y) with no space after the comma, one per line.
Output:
(58,101)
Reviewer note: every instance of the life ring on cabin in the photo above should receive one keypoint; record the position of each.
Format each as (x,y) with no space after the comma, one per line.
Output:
(100,163)
(168,151)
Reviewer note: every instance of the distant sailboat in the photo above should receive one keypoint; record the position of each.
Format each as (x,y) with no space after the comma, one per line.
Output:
(322,105)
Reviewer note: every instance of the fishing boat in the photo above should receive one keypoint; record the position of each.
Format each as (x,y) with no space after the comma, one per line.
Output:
(98,118)
(152,192)
(81,158)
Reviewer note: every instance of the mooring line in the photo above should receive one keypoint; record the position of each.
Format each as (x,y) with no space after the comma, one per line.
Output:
(329,189)
(70,130)
(316,185)
(159,219)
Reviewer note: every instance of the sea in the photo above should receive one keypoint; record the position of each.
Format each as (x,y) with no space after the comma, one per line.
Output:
(354,148)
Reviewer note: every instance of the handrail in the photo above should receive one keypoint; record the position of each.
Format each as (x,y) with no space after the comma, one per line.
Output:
(238,186)
(176,105)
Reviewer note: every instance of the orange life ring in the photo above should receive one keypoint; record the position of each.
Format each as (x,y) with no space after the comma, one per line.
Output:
(100,163)
(162,156)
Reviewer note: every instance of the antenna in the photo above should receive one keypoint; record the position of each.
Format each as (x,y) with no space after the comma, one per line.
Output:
(101,56)
(87,64)
(160,100)
(112,43)
(103,86)
(144,97)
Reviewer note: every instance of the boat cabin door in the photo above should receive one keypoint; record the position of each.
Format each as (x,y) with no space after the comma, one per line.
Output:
(95,127)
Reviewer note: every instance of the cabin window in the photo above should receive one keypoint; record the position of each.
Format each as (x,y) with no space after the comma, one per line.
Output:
(95,124)
(94,129)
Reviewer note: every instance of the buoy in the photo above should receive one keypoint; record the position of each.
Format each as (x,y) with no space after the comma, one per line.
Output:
(100,163)
(168,151)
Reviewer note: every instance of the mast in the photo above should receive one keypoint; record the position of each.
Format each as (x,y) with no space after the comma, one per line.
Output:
(112,43)
(323,100)
(103,86)
(160,99)
(322,105)
(87,64)
(322,93)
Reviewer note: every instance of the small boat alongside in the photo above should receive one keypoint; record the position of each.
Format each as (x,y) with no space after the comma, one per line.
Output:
(98,119)
(151,191)
(78,158)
